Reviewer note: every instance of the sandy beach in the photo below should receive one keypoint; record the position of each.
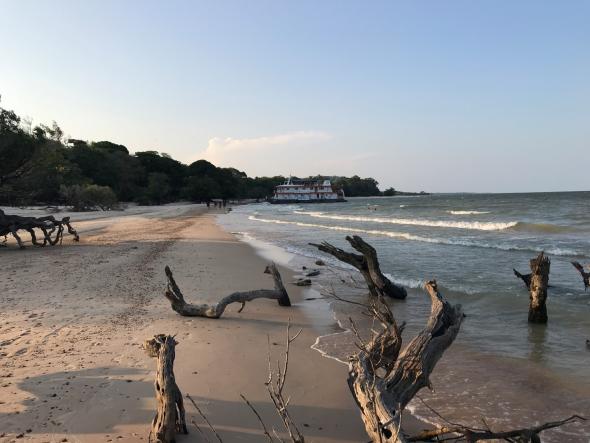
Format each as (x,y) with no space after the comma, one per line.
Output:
(74,317)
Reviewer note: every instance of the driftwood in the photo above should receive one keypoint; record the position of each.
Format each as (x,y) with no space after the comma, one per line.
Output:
(170,415)
(383,378)
(174,295)
(526,278)
(275,386)
(585,275)
(538,288)
(368,265)
(457,432)
(51,228)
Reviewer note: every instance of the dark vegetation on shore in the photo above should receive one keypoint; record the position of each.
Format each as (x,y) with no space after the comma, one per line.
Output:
(39,165)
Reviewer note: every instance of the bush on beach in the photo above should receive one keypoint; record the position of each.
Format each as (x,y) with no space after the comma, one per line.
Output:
(89,197)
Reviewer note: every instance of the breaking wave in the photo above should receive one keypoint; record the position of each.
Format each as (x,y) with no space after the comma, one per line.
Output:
(479,226)
(420,238)
(468,212)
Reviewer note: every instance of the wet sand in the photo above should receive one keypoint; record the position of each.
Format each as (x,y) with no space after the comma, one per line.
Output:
(74,317)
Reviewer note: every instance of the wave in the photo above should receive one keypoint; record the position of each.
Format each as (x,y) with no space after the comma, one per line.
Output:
(546,228)
(468,212)
(412,237)
(475,225)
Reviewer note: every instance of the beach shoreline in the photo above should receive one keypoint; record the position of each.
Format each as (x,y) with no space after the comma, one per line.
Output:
(75,317)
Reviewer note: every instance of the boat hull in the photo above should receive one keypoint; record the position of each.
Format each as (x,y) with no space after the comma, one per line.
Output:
(292,201)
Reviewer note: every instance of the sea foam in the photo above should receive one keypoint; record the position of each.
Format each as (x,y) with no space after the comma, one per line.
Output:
(420,238)
(475,225)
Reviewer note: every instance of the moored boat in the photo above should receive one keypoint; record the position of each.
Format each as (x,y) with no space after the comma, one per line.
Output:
(307,191)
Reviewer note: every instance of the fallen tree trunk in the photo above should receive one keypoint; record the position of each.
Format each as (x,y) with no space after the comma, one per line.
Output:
(383,378)
(368,265)
(170,415)
(538,288)
(174,295)
(11,224)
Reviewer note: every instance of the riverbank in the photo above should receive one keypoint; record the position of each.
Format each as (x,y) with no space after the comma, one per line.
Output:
(74,317)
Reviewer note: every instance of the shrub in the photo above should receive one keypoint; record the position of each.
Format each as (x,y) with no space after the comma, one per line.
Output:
(89,197)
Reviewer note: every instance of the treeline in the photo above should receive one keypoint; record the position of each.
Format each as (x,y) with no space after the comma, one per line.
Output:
(37,165)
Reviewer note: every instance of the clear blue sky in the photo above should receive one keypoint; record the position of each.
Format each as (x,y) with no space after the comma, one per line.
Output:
(435,95)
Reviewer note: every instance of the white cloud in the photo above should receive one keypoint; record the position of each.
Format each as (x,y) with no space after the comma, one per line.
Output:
(219,148)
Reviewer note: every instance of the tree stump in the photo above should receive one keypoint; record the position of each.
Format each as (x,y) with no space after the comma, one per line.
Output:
(368,265)
(538,288)
(170,415)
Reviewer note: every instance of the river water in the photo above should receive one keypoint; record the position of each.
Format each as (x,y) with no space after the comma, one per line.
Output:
(500,367)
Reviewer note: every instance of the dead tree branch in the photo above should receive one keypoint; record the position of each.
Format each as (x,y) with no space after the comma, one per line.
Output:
(585,275)
(170,415)
(471,435)
(48,225)
(383,378)
(204,417)
(368,265)
(174,295)
(526,278)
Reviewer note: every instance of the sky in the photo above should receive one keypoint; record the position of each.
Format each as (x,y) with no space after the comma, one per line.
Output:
(441,96)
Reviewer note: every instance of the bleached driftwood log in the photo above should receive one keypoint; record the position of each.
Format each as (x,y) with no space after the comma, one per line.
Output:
(174,295)
(383,378)
(585,275)
(368,265)
(49,225)
(538,288)
(170,415)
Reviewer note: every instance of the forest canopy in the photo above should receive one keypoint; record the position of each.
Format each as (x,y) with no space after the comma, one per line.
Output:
(39,165)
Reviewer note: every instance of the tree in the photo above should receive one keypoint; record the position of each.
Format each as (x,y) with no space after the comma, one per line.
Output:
(158,187)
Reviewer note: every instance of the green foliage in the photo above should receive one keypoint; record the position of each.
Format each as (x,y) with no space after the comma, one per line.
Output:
(158,188)
(357,187)
(389,192)
(38,166)
(89,197)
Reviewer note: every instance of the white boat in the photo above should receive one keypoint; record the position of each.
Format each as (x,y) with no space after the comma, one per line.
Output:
(307,191)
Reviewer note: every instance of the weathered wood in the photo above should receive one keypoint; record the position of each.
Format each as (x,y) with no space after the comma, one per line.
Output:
(174,295)
(538,288)
(368,265)
(48,225)
(170,413)
(383,378)
(472,435)
(526,278)
(585,275)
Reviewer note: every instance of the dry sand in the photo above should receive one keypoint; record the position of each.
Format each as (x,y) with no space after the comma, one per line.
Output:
(74,316)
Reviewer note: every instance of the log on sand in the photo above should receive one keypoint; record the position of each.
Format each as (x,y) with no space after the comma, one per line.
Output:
(11,224)
(368,265)
(170,415)
(174,295)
